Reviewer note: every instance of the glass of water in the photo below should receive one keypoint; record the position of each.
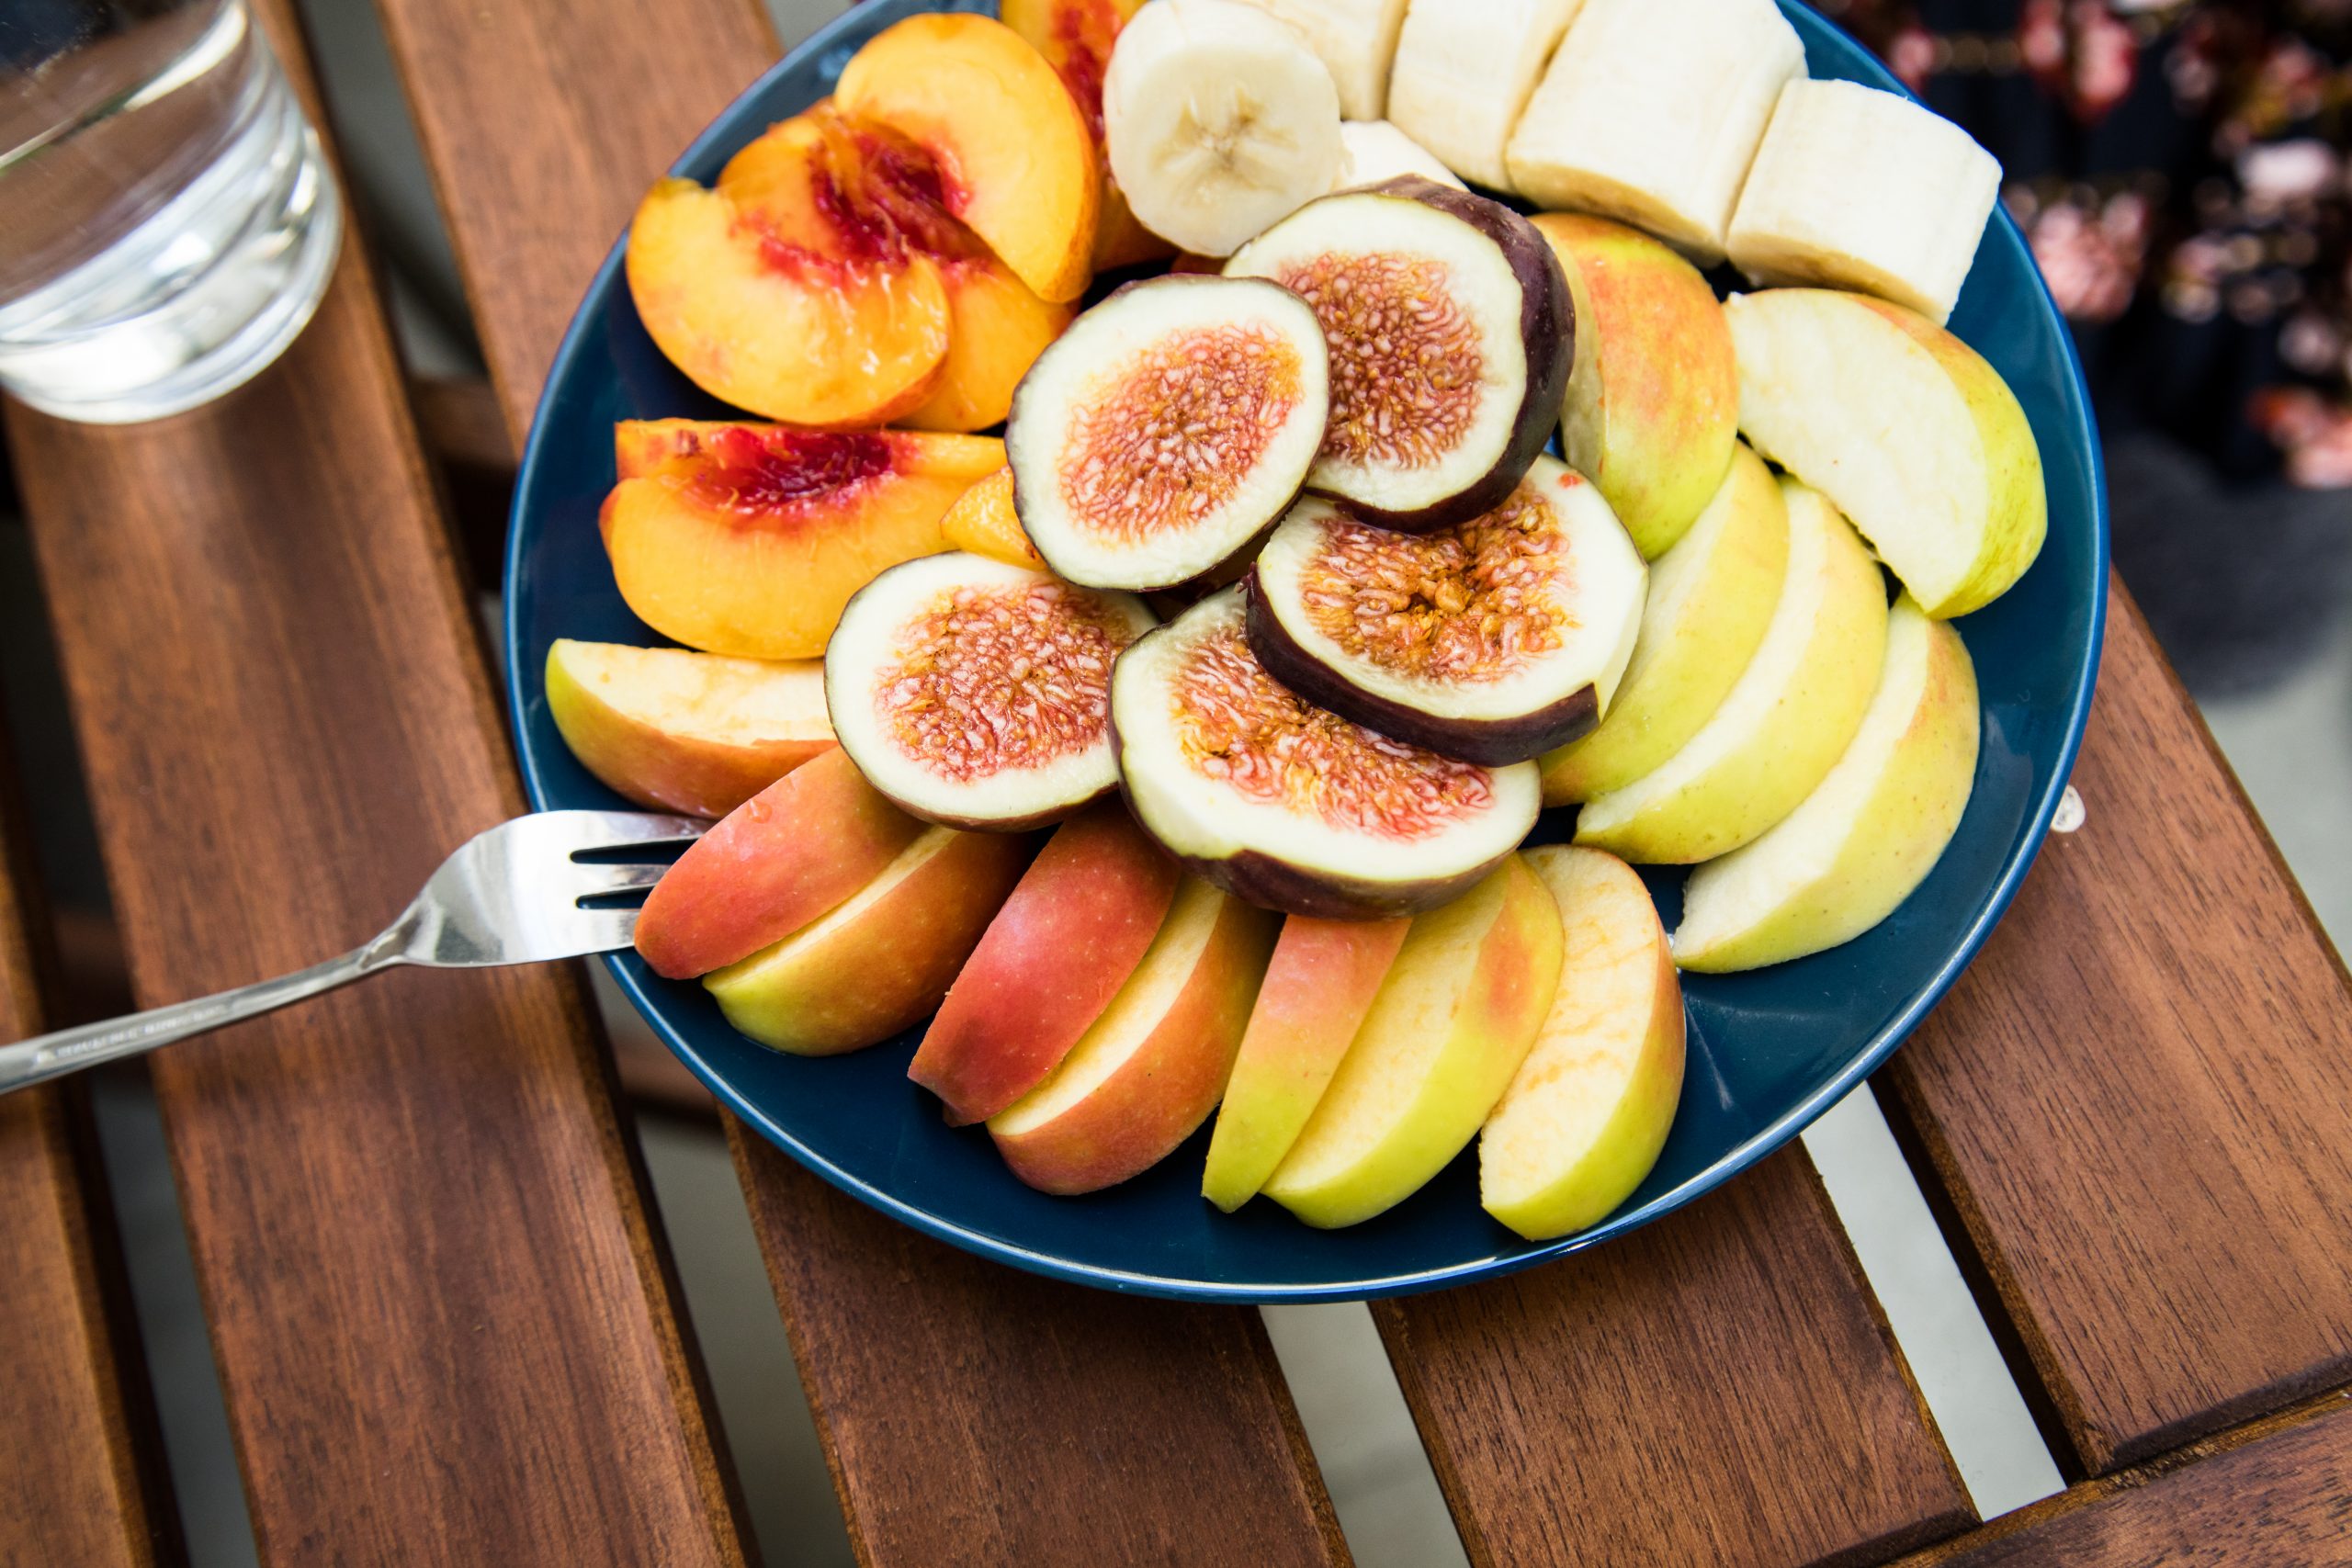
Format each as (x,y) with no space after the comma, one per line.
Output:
(167,223)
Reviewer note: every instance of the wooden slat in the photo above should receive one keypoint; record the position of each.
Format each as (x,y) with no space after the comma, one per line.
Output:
(974,1414)
(2277,1494)
(2139,1099)
(1715,1388)
(81,1471)
(963,1405)
(442,1319)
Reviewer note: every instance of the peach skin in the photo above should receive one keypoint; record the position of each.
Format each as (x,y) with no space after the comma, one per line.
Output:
(783,857)
(1150,1069)
(1053,958)
(879,963)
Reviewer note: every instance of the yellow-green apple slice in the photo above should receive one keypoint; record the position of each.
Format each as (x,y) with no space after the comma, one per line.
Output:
(1084,914)
(1871,831)
(1453,1021)
(881,962)
(769,867)
(1318,987)
(1653,402)
(1711,598)
(1150,1069)
(1905,427)
(684,731)
(1289,805)
(1587,1112)
(1786,720)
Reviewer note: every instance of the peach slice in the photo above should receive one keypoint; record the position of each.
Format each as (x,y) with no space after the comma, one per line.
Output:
(771,309)
(748,539)
(1456,1016)
(1052,959)
(881,962)
(1319,985)
(1017,161)
(1075,37)
(1000,327)
(985,523)
(690,732)
(1150,1069)
(777,861)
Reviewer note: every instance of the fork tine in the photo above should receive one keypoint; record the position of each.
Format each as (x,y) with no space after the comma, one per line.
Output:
(590,880)
(622,829)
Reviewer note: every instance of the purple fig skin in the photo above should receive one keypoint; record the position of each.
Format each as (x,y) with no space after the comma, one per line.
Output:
(1489,742)
(1547,328)
(1046,817)
(1269,884)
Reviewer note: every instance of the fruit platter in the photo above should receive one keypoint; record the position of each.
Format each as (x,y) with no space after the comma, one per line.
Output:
(1335,646)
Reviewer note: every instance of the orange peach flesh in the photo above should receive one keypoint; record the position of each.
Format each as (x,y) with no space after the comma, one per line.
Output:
(683,731)
(1075,37)
(777,861)
(985,523)
(1052,959)
(1000,327)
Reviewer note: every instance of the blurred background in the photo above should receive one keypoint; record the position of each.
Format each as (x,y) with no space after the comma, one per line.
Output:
(2180,169)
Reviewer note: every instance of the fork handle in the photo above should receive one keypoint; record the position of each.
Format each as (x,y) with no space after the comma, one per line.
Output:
(45,1056)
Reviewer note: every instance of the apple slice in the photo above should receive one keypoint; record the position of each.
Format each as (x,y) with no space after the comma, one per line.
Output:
(881,962)
(774,864)
(1150,1069)
(1451,1023)
(1711,598)
(1905,427)
(1052,959)
(1585,1118)
(1318,987)
(1785,722)
(684,731)
(1653,402)
(1871,831)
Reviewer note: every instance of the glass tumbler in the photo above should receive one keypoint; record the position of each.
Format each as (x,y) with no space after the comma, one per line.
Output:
(167,223)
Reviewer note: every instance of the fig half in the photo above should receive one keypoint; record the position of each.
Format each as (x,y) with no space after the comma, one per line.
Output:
(1452,334)
(975,694)
(1493,640)
(1168,429)
(1289,806)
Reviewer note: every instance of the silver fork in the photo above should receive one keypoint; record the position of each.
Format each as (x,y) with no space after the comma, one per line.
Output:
(511,896)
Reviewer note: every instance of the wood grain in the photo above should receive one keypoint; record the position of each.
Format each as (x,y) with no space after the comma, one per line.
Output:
(443,1322)
(2139,1099)
(1716,1388)
(2276,1493)
(81,1477)
(974,1415)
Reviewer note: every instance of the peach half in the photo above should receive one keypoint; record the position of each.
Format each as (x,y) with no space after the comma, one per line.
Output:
(791,852)
(1149,1070)
(984,522)
(881,962)
(1016,158)
(748,539)
(683,731)
(1057,953)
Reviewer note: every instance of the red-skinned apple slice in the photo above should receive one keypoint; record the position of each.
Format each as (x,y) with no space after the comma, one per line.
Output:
(1057,953)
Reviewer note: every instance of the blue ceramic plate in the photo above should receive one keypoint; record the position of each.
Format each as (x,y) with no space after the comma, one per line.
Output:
(1769,1051)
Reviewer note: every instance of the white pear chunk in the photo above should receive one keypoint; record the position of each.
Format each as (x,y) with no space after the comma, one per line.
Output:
(1464,71)
(1905,427)
(1867,836)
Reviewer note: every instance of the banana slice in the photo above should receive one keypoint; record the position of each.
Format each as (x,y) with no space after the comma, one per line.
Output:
(1371,151)
(1356,39)
(1220,122)
(1860,189)
(1464,71)
(1651,113)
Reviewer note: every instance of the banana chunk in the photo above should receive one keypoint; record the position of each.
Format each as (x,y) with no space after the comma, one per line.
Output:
(1219,122)
(1355,39)
(1856,188)
(1464,71)
(1651,112)
(1371,151)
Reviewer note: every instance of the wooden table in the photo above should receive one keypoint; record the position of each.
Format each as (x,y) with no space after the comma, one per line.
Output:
(441,1307)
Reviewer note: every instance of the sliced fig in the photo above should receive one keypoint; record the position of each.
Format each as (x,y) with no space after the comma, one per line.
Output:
(1287,805)
(1452,334)
(975,694)
(1168,429)
(1492,640)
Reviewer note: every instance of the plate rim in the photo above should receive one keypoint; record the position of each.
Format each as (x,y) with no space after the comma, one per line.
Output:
(630,975)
